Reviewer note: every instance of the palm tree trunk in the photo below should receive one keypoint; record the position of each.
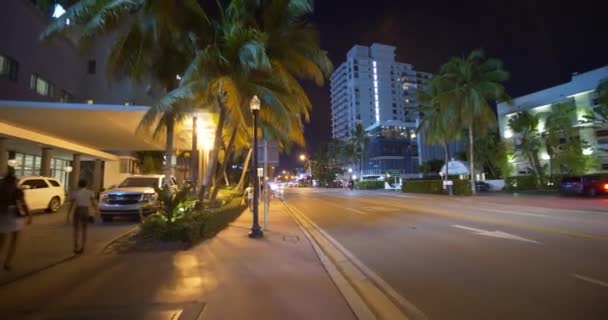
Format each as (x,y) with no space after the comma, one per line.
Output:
(471,159)
(241,186)
(218,179)
(226,180)
(446,153)
(169,149)
(209,173)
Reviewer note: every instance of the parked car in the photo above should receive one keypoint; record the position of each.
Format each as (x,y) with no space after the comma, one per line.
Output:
(589,185)
(134,195)
(42,193)
(481,186)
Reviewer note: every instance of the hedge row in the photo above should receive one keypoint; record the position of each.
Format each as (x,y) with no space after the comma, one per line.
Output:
(369,185)
(530,182)
(461,187)
(193,227)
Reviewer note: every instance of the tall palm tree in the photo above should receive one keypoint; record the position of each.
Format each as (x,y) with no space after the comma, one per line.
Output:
(437,122)
(152,45)
(239,61)
(359,140)
(469,84)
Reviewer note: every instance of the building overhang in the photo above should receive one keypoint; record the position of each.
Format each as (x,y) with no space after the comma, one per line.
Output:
(82,128)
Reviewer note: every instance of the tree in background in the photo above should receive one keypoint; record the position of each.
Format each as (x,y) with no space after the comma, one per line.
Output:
(468,85)
(437,124)
(432,166)
(530,143)
(359,140)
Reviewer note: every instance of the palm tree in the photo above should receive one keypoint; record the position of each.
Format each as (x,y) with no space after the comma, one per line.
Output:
(152,45)
(437,124)
(558,124)
(239,60)
(359,140)
(526,124)
(469,83)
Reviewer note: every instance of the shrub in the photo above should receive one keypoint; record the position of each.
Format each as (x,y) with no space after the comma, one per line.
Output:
(422,186)
(194,225)
(521,183)
(461,187)
(369,185)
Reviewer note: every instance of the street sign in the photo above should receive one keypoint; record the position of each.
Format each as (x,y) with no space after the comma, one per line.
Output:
(273,153)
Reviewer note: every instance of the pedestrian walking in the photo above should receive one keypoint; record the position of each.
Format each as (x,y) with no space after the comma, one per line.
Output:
(12,205)
(249,196)
(82,201)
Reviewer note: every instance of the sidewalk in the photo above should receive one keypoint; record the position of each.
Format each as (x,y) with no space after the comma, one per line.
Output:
(228,277)
(48,241)
(277,277)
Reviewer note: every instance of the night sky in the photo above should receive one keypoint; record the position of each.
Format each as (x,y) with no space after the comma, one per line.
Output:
(541,42)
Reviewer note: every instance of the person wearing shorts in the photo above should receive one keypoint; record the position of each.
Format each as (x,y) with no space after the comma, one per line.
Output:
(81,202)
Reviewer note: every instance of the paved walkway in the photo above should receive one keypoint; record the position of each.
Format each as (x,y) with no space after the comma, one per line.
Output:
(228,277)
(48,241)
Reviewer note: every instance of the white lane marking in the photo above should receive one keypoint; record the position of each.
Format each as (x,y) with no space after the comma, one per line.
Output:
(494,234)
(591,280)
(356,211)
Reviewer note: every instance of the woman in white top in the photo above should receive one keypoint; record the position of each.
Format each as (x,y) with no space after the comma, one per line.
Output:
(83,200)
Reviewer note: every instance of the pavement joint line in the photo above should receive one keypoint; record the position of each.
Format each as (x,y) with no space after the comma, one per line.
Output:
(379,295)
(591,280)
(353,299)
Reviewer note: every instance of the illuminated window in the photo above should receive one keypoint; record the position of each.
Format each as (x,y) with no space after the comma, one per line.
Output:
(9,68)
(42,86)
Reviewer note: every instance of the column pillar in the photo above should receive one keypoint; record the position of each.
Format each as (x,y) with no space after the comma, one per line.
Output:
(75,175)
(3,157)
(97,176)
(45,162)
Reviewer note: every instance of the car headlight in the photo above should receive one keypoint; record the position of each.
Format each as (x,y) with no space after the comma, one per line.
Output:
(104,198)
(148,197)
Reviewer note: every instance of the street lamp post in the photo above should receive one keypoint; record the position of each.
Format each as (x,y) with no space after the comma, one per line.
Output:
(256,231)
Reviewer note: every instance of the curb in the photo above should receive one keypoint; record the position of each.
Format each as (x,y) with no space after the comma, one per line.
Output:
(367,294)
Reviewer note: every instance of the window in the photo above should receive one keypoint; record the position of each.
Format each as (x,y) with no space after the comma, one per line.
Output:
(9,68)
(604,166)
(35,184)
(42,86)
(601,133)
(54,183)
(92,66)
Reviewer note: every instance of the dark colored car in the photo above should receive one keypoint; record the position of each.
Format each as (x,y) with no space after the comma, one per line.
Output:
(481,186)
(589,185)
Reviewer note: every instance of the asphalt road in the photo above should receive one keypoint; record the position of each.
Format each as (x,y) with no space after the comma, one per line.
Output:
(475,257)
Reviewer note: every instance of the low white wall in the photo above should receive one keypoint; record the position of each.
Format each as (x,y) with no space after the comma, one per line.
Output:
(496,185)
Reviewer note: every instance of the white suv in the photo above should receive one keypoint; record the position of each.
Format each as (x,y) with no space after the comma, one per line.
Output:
(135,195)
(42,193)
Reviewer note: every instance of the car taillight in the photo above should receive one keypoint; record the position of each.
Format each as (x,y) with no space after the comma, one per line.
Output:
(606,186)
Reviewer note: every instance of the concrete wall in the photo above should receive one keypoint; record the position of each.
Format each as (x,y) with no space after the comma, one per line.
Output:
(61,62)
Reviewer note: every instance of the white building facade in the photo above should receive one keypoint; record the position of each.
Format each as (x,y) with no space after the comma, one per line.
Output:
(581,91)
(371,87)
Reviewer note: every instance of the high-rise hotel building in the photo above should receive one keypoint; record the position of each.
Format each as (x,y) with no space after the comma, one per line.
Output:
(371,87)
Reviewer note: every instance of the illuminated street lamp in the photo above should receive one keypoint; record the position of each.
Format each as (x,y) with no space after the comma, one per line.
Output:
(256,231)
(302,157)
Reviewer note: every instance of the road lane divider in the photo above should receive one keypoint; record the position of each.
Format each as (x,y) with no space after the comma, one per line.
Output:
(368,295)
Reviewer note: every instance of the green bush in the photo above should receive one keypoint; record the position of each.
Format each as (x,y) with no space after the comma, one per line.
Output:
(369,185)
(461,187)
(422,186)
(521,183)
(195,225)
